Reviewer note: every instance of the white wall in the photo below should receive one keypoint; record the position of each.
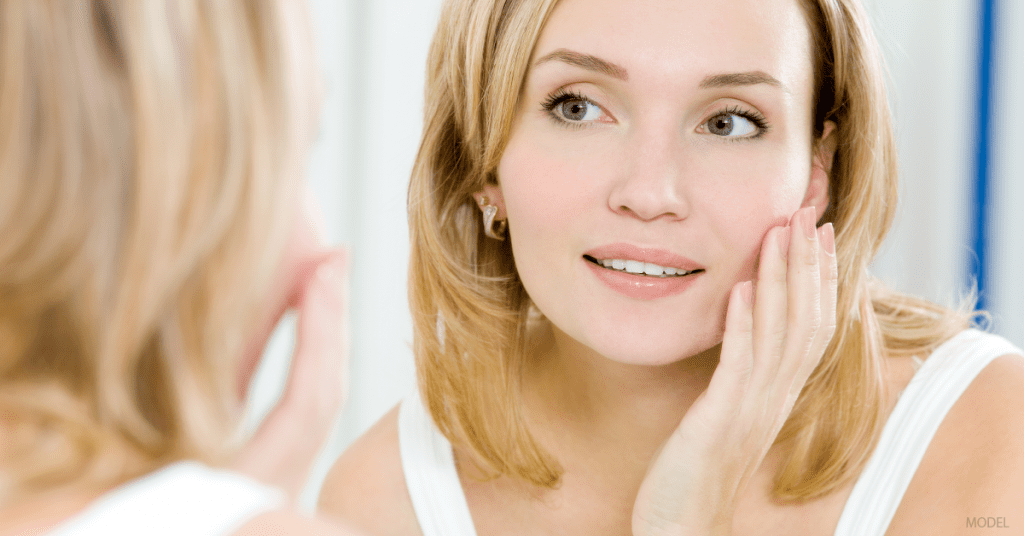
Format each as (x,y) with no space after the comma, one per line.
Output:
(381,118)
(373,55)
(933,105)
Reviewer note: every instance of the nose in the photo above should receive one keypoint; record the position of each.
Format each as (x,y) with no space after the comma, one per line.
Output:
(650,183)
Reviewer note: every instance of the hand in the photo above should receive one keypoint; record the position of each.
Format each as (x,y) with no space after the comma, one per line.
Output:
(773,341)
(283,449)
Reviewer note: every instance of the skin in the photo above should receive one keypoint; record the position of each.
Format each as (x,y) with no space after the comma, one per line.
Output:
(646,172)
(636,398)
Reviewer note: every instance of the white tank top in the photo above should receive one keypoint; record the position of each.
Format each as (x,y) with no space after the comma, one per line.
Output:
(440,503)
(182,498)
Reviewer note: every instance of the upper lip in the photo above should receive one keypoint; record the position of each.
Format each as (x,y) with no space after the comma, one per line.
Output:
(660,257)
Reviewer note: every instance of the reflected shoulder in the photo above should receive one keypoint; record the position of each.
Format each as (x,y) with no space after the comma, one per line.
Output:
(366,485)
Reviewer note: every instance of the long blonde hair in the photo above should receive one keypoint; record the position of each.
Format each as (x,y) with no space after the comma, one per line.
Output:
(470,308)
(143,156)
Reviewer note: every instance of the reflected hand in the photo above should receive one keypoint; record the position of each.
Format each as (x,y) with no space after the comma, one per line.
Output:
(773,341)
(284,447)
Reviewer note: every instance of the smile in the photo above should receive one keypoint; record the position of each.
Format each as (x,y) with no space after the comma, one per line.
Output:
(640,268)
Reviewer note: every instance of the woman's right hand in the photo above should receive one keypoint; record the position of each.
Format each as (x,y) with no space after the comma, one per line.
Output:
(775,334)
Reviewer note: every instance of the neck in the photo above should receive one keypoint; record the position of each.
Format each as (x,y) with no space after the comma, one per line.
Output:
(570,388)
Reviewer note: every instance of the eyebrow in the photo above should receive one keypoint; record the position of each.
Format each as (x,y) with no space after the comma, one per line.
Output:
(596,64)
(586,61)
(751,78)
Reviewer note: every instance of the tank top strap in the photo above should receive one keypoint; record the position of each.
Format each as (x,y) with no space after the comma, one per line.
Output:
(922,406)
(430,474)
(182,498)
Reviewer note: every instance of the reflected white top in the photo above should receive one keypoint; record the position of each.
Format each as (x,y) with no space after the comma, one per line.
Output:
(182,498)
(440,503)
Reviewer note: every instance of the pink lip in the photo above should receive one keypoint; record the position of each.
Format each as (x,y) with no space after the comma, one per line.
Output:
(642,287)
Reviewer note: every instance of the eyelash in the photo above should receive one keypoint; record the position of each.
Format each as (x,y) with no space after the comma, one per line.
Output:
(559,97)
(563,95)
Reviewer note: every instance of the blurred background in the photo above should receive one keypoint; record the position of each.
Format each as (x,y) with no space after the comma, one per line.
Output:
(956,70)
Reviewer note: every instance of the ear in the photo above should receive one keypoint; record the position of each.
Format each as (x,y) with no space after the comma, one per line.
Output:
(821,170)
(494,197)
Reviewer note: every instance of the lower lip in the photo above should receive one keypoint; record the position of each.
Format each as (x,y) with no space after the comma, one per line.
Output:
(641,287)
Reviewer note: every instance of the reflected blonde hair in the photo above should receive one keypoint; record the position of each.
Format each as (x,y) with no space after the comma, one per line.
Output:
(470,308)
(143,156)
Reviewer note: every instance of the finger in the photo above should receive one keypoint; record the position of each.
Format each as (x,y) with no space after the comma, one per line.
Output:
(804,278)
(318,380)
(802,352)
(736,362)
(829,277)
(286,443)
(770,306)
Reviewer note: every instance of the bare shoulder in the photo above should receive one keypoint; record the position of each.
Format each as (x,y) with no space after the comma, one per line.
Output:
(367,487)
(286,523)
(974,467)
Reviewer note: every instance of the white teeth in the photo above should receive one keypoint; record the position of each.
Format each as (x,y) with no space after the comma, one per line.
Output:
(637,267)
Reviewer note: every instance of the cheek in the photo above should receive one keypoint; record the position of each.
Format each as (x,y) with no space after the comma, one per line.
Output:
(748,197)
(542,191)
(768,180)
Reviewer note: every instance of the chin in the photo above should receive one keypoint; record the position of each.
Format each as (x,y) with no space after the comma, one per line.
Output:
(645,348)
(657,336)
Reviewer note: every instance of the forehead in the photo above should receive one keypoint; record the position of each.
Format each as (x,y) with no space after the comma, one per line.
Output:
(686,40)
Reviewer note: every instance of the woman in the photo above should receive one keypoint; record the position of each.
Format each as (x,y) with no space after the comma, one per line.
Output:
(150,161)
(603,366)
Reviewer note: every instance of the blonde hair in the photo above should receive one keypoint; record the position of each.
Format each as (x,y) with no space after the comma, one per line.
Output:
(470,308)
(143,159)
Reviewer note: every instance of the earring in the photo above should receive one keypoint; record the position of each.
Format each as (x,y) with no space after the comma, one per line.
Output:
(490,211)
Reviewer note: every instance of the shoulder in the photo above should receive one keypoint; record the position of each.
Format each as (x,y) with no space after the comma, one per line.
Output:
(286,523)
(366,485)
(974,466)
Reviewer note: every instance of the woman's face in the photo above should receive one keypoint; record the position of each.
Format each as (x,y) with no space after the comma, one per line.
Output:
(657,134)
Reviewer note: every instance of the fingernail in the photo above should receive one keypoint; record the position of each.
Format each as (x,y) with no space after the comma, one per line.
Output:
(783,238)
(828,238)
(747,291)
(331,269)
(808,222)
(327,274)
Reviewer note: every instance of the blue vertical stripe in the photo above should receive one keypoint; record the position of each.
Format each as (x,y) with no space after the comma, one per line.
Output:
(978,267)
